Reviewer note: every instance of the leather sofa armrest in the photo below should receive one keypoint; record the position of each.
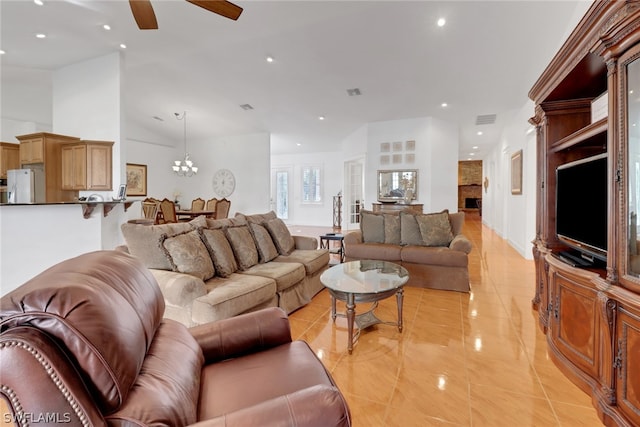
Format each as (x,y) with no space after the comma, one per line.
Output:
(305,242)
(319,405)
(244,334)
(460,243)
(353,237)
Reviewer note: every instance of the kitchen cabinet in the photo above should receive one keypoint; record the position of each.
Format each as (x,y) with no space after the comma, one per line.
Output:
(45,150)
(86,165)
(9,158)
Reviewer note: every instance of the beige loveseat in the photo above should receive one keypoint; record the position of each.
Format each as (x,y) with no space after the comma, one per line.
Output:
(430,246)
(215,269)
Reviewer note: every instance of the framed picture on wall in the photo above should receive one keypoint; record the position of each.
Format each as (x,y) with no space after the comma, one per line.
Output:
(136,179)
(516,172)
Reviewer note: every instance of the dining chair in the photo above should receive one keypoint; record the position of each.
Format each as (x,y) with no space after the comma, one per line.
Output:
(211,204)
(168,208)
(222,208)
(149,212)
(197,204)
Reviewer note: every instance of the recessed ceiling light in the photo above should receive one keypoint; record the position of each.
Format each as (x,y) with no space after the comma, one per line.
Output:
(2,52)
(123,46)
(479,132)
(246,107)
(269,58)
(472,154)
(106,27)
(38,2)
(298,144)
(475,147)
(41,36)
(444,105)
(354,92)
(441,22)
(320,117)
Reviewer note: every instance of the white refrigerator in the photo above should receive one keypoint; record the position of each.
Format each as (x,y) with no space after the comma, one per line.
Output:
(25,185)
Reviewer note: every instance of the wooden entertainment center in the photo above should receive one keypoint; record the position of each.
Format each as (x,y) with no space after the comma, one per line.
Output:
(591,316)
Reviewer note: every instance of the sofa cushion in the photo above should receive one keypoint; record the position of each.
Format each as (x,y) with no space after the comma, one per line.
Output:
(435,228)
(225,222)
(220,251)
(286,274)
(228,297)
(281,236)
(378,251)
(409,230)
(166,390)
(392,228)
(258,218)
(372,226)
(187,254)
(142,242)
(440,256)
(457,221)
(264,243)
(243,246)
(313,260)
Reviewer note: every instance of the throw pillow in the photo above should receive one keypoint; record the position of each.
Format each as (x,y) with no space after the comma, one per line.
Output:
(281,236)
(435,228)
(409,230)
(372,227)
(142,242)
(266,248)
(243,246)
(220,251)
(392,229)
(187,254)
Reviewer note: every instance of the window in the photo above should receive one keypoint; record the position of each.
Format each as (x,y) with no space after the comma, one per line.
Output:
(311,184)
(280,192)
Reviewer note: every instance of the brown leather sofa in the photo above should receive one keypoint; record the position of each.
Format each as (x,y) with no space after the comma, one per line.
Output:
(84,344)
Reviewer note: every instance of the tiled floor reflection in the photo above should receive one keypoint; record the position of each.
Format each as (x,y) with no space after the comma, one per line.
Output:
(476,359)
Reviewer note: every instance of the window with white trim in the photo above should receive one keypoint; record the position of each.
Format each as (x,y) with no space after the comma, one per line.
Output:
(311,184)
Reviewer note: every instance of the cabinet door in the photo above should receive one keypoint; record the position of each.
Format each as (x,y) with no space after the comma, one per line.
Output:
(79,167)
(32,151)
(98,172)
(67,168)
(574,322)
(9,159)
(627,363)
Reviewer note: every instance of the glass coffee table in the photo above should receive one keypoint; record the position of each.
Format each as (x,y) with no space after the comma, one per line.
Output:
(364,281)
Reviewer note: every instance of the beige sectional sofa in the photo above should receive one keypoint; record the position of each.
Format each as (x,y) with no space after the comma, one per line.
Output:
(209,269)
(430,246)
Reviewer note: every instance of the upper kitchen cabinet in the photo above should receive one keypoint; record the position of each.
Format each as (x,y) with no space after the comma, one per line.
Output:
(9,158)
(86,165)
(46,149)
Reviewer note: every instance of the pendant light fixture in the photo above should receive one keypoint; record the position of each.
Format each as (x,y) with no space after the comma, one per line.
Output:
(184,167)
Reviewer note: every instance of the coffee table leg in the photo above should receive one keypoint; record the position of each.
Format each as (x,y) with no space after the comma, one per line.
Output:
(399,298)
(351,315)
(333,308)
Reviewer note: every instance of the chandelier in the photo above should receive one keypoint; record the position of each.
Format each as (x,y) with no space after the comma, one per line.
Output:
(184,167)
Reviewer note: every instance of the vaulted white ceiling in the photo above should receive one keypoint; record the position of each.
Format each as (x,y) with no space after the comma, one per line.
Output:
(482,62)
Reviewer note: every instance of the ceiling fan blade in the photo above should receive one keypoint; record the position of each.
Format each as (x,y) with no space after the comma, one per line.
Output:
(221,7)
(143,14)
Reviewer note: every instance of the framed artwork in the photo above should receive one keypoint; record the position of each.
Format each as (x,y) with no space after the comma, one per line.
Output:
(516,172)
(136,179)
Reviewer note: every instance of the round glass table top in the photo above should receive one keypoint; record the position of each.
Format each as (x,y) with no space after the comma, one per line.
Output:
(364,277)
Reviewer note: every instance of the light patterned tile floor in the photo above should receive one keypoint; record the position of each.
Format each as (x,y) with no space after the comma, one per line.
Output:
(476,359)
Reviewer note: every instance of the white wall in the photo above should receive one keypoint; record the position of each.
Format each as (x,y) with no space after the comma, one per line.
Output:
(312,214)
(436,158)
(512,216)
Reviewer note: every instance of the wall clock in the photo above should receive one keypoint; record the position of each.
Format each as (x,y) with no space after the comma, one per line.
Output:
(224,182)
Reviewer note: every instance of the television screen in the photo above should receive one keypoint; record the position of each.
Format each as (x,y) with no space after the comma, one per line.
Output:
(582,205)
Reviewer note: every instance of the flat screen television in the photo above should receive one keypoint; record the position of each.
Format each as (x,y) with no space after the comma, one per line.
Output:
(582,207)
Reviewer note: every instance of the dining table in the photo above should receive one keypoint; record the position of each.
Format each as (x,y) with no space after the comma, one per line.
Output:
(189,214)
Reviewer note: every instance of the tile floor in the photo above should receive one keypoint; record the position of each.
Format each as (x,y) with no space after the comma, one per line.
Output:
(476,359)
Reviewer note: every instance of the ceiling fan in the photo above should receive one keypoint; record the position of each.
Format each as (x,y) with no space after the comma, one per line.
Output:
(146,19)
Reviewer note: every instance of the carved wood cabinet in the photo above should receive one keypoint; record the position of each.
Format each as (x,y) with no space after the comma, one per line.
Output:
(591,315)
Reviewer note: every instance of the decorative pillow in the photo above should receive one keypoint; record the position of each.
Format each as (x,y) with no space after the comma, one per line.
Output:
(409,230)
(142,242)
(281,236)
(392,229)
(266,248)
(258,218)
(188,254)
(435,228)
(220,251)
(225,222)
(243,246)
(199,221)
(372,227)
